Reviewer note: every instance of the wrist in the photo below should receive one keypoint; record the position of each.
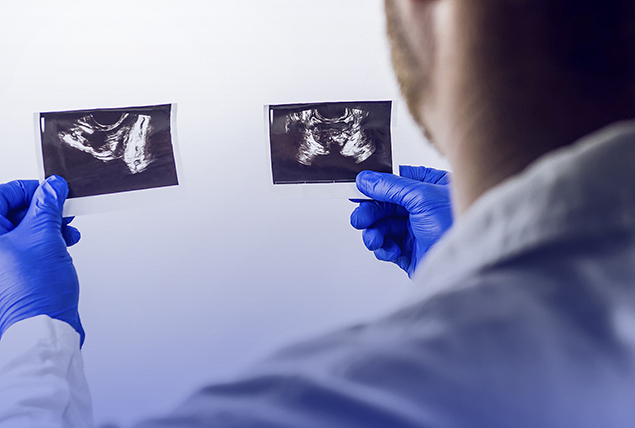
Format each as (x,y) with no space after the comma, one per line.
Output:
(70,317)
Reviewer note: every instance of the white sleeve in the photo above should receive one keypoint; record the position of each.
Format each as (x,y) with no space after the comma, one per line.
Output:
(42,382)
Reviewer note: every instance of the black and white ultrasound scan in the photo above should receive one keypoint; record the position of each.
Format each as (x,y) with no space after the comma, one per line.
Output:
(329,142)
(111,150)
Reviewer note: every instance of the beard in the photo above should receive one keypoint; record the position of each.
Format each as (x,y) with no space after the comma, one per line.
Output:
(414,74)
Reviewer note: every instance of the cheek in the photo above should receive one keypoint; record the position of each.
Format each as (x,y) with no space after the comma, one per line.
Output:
(423,38)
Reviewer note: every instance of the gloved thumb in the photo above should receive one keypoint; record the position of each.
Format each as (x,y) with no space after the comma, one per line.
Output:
(47,204)
(427,175)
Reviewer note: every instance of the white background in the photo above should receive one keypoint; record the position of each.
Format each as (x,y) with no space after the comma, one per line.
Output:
(189,292)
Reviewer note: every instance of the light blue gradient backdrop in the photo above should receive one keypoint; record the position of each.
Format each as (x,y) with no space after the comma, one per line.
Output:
(181,294)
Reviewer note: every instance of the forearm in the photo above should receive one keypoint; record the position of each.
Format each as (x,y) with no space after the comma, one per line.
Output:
(42,382)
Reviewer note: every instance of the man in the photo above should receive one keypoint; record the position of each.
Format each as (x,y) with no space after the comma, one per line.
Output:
(528,316)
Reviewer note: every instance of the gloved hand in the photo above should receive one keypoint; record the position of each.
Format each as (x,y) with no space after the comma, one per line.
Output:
(407,216)
(37,276)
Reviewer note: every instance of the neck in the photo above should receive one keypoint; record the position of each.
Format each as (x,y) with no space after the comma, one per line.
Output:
(487,147)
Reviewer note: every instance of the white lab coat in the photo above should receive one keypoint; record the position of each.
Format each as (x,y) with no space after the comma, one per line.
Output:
(526,319)
(42,382)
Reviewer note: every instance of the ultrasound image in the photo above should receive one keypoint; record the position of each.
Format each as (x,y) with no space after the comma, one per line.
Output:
(126,139)
(109,150)
(329,142)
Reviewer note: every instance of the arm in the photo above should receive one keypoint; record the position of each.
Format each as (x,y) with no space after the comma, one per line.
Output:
(42,382)
(41,374)
(407,216)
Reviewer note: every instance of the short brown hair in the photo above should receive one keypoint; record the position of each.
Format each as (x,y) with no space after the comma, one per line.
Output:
(593,38)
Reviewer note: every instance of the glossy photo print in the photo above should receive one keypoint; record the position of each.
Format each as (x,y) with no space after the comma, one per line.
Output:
(329,142)
(113,150)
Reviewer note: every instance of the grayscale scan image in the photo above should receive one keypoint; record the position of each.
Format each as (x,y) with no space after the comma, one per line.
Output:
(109,150)
(329,142)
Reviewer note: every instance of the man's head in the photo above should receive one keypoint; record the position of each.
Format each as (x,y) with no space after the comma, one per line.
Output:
(509,80)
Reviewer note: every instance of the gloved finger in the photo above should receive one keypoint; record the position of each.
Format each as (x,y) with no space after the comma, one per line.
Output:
(71,235)
(47,204)
(14,196)
(404,263)
(373,238)
(389,252)
(426,175)
(5,225)
(391,227)
(16,216)
(406,192)
(369,212)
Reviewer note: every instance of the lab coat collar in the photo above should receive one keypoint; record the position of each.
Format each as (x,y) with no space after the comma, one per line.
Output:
(585,189)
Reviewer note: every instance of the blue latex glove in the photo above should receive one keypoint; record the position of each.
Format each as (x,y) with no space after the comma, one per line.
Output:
(37,276)
(407,216)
